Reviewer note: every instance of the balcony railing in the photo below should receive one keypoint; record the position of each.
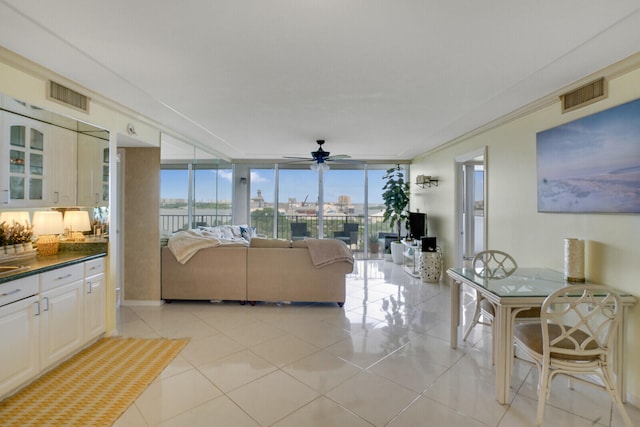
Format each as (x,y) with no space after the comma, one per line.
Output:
(264,225)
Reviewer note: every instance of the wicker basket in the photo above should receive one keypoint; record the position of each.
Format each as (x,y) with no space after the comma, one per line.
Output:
(47,245)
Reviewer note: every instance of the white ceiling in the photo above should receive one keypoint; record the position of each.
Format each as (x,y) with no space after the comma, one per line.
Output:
(377,79)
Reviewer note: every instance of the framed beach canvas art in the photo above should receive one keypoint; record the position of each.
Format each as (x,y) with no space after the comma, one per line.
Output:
(591,164)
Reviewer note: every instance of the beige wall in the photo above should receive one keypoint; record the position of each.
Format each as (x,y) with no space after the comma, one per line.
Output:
(27,81)
(514,225)
(141,223)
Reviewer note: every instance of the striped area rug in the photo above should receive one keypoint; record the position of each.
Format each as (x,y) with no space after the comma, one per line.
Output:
(94,387)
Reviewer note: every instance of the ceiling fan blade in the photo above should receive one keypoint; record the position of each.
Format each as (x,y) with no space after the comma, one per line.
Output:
(351,161)
(297,158)
(339,156)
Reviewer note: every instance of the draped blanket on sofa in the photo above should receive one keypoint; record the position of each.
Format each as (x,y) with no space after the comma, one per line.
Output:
(327,251)
(185,244)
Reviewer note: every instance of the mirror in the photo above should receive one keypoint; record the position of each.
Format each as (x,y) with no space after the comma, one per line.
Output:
(53,161)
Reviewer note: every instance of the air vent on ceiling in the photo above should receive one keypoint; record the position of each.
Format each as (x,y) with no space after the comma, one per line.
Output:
(68,96)
(584,95)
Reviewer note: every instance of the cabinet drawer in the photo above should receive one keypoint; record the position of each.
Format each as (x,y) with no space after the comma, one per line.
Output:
(18,289)
(95,266)
(61,276)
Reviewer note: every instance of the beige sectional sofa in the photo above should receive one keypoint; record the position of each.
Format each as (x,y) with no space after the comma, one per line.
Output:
(266,270)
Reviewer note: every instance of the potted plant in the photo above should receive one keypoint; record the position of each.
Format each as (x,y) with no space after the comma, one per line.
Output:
(4,235)
(396,199)
(373,244)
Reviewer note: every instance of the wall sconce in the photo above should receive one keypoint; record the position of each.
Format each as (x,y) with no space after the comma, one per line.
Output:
(423,181)
(243,181)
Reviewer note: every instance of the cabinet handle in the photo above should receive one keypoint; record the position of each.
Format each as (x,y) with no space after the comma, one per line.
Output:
(5,197)
(64,277)
(46,304)
(56,198)
(37,304)
(89,289)
(6,294)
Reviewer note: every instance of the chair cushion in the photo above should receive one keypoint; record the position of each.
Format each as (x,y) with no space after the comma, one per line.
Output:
(530,334)
(531,313)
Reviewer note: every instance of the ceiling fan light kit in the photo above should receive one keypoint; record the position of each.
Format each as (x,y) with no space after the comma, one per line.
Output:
(319,167)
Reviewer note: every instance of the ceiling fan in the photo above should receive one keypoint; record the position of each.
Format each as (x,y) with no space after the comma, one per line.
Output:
(320,157)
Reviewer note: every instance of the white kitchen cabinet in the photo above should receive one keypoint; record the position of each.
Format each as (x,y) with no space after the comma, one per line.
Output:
(93,171)
(19,333)
(47,317)
(24,150)
(95,299)
(61,313)
(62,161)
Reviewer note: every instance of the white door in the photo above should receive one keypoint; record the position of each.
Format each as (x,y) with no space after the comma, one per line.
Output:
(471,207)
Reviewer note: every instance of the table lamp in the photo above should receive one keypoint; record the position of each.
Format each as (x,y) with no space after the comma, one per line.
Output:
(47,225)
(77,222)
(11,217)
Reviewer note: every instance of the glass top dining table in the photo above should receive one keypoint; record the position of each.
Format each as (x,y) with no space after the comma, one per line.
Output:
(509,292)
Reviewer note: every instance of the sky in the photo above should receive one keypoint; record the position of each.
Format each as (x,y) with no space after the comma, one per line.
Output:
(298,184)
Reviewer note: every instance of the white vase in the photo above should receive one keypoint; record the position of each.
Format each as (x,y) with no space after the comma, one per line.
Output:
(18,248)
(397,252)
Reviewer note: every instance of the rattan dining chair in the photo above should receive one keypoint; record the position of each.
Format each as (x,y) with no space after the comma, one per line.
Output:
(575,336)
(490,264)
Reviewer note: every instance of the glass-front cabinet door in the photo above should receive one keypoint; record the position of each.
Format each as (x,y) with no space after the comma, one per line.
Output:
(93,171)
(24,145)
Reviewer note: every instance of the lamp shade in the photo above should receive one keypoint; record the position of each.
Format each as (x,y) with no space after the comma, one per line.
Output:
(47,223)
(11,217)
(77,221)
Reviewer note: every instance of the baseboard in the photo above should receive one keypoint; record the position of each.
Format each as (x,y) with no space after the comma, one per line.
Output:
(633,399)
(150,303)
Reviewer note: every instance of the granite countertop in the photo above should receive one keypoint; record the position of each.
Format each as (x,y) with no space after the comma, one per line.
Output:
(68,254)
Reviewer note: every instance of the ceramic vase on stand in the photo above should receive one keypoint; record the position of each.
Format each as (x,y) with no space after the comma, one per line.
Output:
(430,266)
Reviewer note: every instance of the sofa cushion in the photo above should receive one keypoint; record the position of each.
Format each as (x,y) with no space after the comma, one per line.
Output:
(299,244)
(269,243)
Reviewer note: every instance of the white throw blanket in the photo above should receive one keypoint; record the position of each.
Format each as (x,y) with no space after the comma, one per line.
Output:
(327,251)
(185,244)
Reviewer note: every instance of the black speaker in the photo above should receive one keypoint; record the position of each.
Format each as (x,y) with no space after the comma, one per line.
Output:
(428,244)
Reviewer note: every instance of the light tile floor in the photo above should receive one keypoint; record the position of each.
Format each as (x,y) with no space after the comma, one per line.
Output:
(383,360)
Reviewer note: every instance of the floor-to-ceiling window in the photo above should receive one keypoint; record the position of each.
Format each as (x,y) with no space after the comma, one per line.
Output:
(212,188)
(344,205)
(290,201)
(262,212)
(377,229)
(298,203)
(195,187)
(285,201)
